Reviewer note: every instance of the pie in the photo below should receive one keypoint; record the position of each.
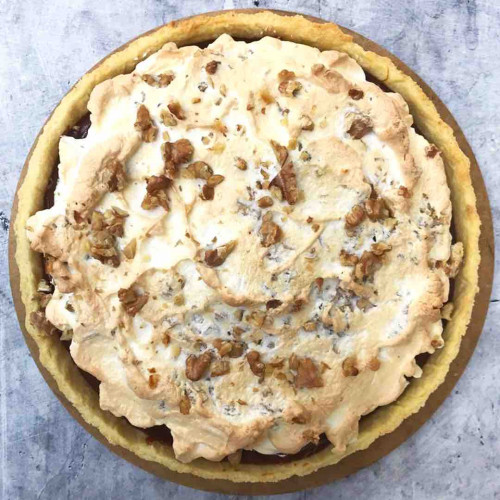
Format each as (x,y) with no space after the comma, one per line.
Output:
(249,245)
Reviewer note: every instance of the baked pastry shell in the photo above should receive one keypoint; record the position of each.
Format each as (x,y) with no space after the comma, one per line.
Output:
(389,425)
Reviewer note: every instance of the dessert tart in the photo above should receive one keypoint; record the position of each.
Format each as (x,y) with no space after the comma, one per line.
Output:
(247,245)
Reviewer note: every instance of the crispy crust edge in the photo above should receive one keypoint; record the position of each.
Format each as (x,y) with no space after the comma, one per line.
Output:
(251,25)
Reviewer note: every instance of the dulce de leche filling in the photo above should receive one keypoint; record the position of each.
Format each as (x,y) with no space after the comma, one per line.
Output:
(248,246)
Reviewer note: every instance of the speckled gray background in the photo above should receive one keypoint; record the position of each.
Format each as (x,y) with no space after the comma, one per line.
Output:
(46,45)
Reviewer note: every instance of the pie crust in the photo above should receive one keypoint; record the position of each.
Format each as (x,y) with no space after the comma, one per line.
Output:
(248,25)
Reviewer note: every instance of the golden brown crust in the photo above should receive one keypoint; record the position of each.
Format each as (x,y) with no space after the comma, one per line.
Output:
(249,25)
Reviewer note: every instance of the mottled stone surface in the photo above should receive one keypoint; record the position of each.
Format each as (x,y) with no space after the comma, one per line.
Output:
(46,45)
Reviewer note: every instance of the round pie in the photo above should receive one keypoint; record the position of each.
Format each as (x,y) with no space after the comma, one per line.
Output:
(248,244)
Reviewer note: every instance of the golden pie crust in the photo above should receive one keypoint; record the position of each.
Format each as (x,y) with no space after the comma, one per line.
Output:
(248,25)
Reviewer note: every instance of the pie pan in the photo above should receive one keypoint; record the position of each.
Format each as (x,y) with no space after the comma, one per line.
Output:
(389,425)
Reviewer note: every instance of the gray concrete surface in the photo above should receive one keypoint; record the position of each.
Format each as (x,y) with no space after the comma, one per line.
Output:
(46,45)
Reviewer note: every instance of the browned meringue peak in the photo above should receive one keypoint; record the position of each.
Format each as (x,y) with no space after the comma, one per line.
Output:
(281,283)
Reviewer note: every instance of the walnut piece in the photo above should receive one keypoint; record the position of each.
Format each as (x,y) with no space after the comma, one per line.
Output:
(176,109)
(211,67)
(286,180)
(240,163)
(156,193)
(258,368)
(159,81)
(175,154)
(404,192)
(360,127)
(308,375)
(356,94)
(196,366)
(376,209)
(215,180)
(219,367)
(130,249)
(355,217)
(217,256)
(145,125)
(200,170)
(114,175)
(431,151)
(307,123)
(167,118)
(131,300)
(102,248)
(349,367)
(185,404)
(207,193)
(366,265)
(270,232)
(348,259)
(265,202)
(153,380)
(289,87)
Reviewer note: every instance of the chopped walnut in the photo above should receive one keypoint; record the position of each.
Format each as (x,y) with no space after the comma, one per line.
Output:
(366,265)
(308,375)
(207,193)
(153,381)
(131,300)
(348,259)
(215,180)
(38,319)
(380,248)
(175,154)
(145,125)
(200,170)
(270,232)
(356,94)
(305,156)
(376,209)
(217,256)
(167,118)
(176,109)
(286,180)
(163,80)
(284,75)
(360,127)
(114,175)
(211,67)
(219,367)
(355,216)
(289,87)
(431,151)
(237,348)
(240,163)
(258,368)
(102,247)
(256,318)
(130,249)
(156,193)
(273,304)
(265,202)
(310,326)
(307,123)
(223,347)
(349,367)
(196,366)
(185,404)
(404,192)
